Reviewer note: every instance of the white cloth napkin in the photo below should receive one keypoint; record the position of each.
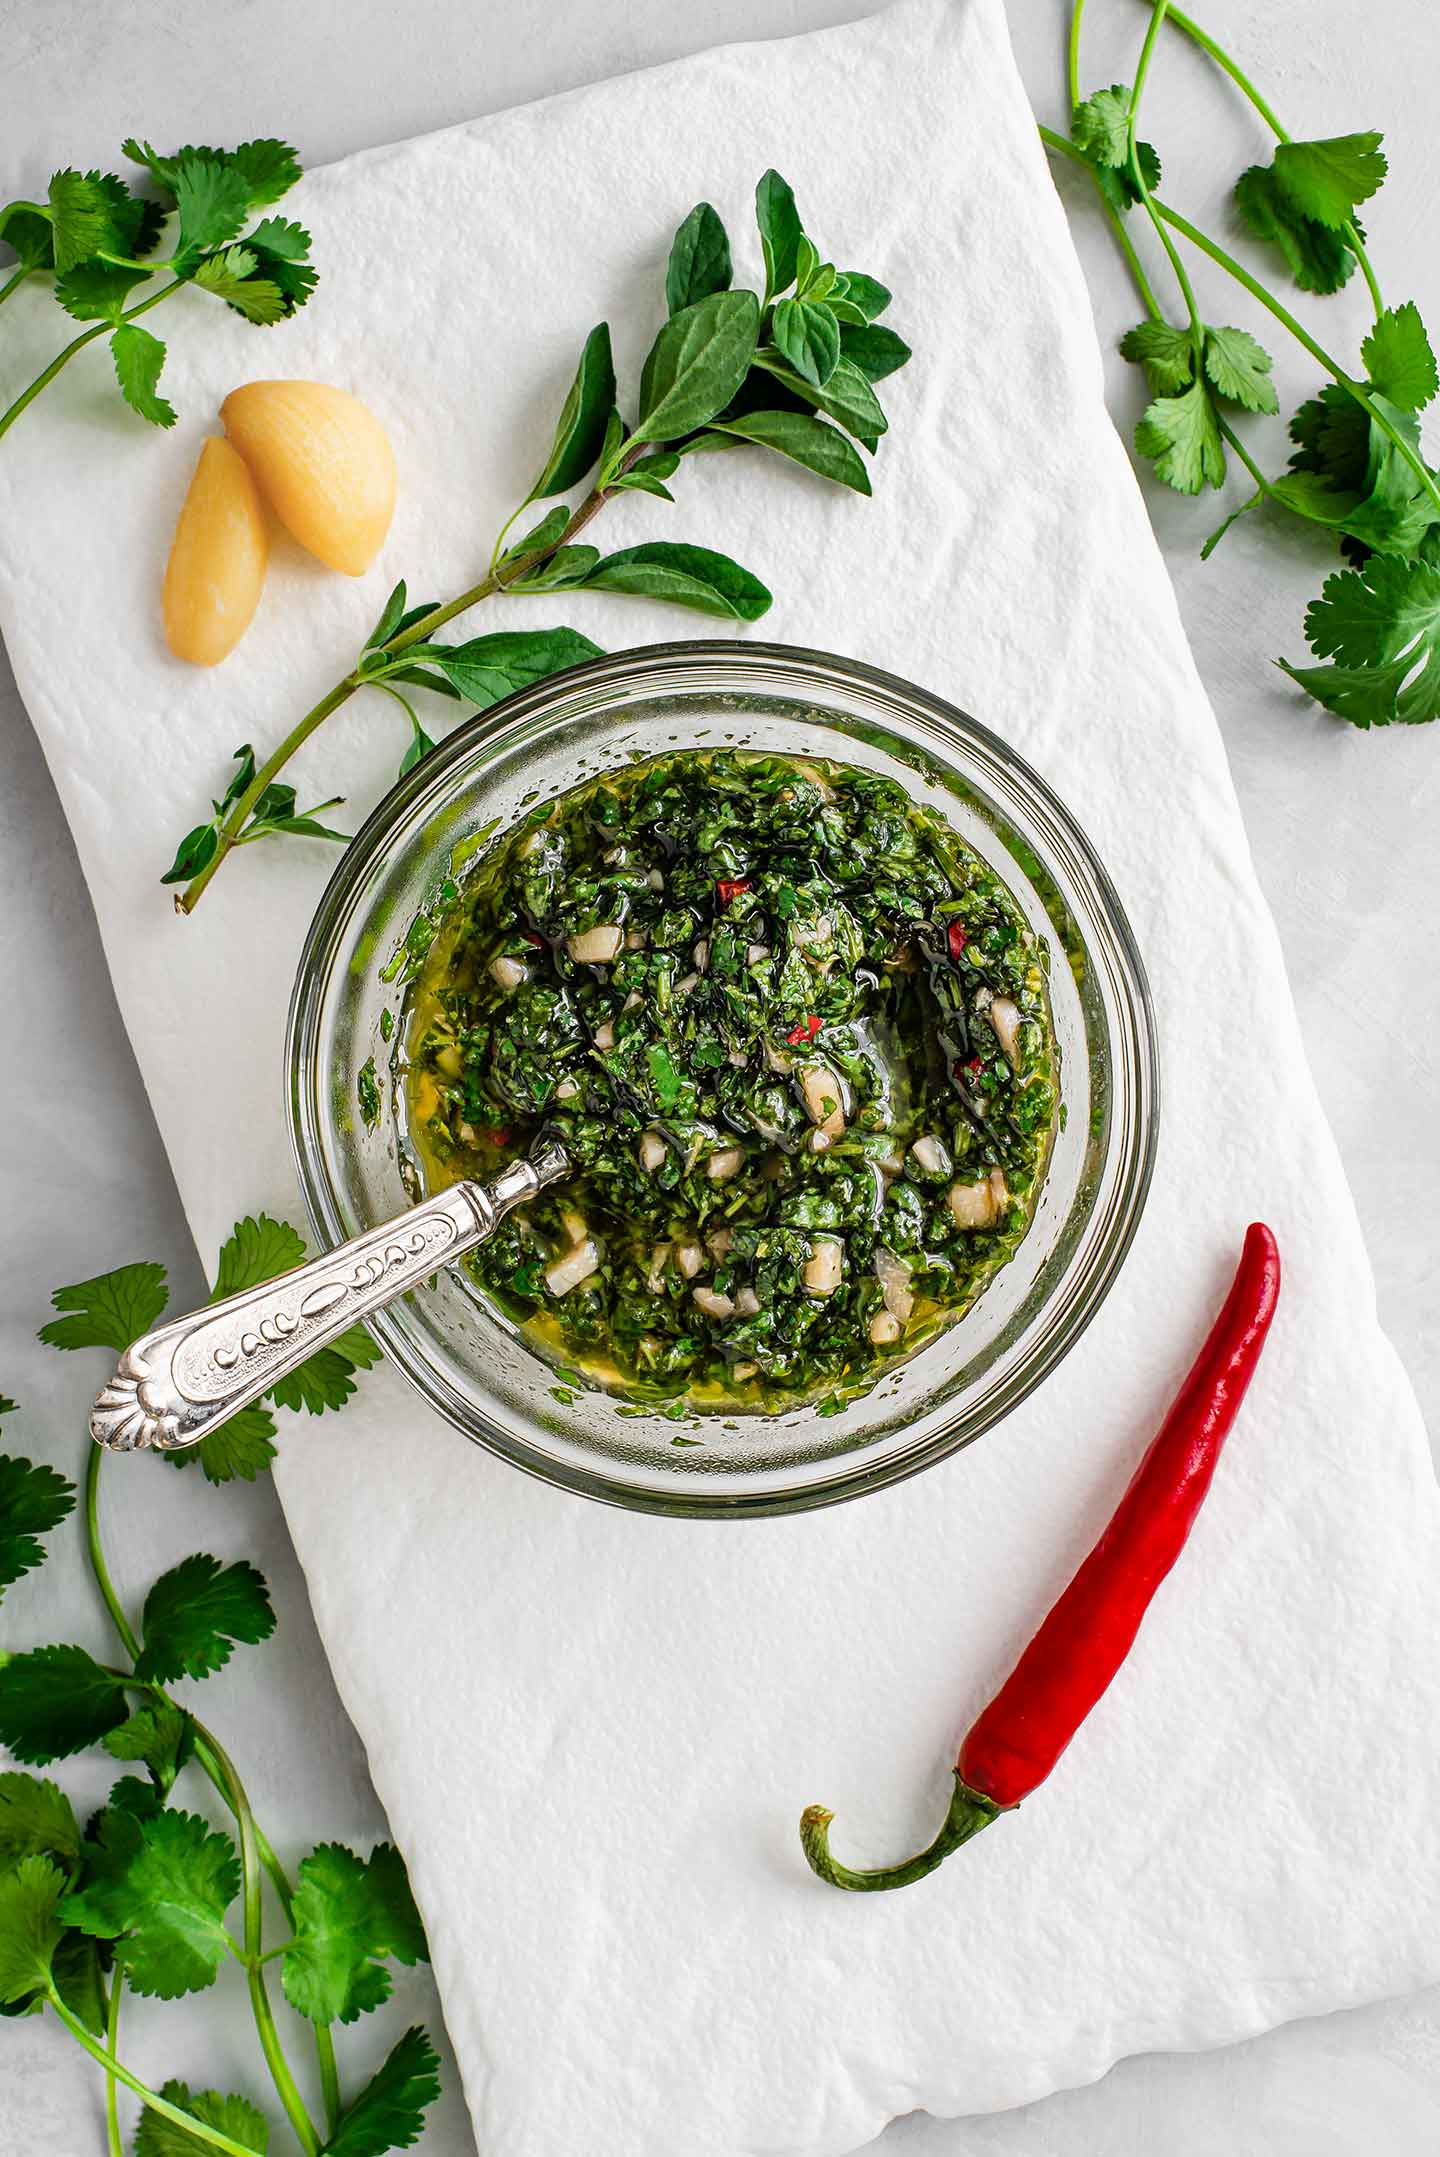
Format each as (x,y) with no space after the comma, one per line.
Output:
(593,1732)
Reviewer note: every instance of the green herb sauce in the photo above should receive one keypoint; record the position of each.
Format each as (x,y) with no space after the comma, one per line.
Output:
(795,1036)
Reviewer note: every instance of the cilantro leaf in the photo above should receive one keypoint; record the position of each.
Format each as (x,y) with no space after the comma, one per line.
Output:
(1100,127)
(242,1446)
(77,1972)
(236,2117)
(699,259)
(280,236)
(1239,370)
(1166,354)
(33,1499)
(1382,625)
(270,169)
(389,2112)
(139,358)
(1317,258)
(30,234)
(162,1898)
(196,1612)
(55,1701)
(109,1312)
(349,1915)
(1182,437)
(36,1819)
(213,200)
(324,1380)
(79,217)
(30,1926)
(256,1250)
(232,277)
(97,291)
(159,1734)
(1399,360)
(1117,182)
(1327,181)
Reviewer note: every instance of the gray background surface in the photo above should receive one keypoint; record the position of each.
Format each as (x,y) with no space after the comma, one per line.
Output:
(1343,829)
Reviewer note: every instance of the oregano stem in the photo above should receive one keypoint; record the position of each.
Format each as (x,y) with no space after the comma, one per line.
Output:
(198,2129)
(78,344)
(187,900)
(1188,27)
(1317,351)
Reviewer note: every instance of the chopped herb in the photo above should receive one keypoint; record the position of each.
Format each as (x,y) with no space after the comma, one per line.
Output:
(809,1099)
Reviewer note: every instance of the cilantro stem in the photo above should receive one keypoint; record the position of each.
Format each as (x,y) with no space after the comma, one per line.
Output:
(78,344)
(1282,314)
(114,2146)
(1137,176)
(270,2045)
(229,833)
(216,1764)
(1072,53)
(1116,222)
(13,284)
(1216,52)
(129,1639)
(198,2129)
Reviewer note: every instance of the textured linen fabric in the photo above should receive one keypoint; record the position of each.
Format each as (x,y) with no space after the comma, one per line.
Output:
(593,1732)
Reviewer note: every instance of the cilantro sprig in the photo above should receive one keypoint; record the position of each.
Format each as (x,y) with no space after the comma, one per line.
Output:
(149,1893)
(789,369)
(1358,471)
(100,245)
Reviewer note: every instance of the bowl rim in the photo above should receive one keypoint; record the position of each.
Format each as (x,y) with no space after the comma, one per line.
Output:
(817,667)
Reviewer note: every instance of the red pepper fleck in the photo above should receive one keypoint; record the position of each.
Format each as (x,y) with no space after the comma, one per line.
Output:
(974,1067)
(1017,1740)
(956,938)
(531,938)
(730,887)
(805,1031)
(501,1135)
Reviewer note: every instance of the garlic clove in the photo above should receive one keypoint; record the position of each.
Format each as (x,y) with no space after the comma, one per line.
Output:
(216,569)
(323,462)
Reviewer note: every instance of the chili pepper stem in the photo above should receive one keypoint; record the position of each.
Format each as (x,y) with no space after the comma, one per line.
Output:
(969,1812)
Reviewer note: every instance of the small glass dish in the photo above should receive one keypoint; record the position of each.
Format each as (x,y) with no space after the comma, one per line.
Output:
(349,1015)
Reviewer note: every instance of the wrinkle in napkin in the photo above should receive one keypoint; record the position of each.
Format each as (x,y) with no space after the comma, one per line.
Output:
(593,1733)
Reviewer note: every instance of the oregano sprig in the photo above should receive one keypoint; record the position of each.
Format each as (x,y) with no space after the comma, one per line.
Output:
(100,246)
(148,1895)
(790,369)
(1358,470)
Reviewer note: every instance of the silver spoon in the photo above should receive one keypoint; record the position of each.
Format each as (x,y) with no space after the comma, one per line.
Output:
(185,1378)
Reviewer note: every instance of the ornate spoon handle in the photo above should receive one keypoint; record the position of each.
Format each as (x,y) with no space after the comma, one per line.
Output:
(178,1382)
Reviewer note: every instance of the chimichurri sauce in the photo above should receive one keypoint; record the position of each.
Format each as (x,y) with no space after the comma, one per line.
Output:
(795,1036)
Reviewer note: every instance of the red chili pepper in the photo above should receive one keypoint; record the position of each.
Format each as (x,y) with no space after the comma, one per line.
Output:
(956,938)
(499,1136)
(972,1067)
(805,1031)
(730,887)
(1016,1741)
(531,938)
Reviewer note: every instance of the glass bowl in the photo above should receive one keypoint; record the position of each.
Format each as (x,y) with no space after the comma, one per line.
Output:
(349,1010)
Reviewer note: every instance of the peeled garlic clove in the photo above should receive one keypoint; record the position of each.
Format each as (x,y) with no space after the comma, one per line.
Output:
(323,462)
(216,569)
